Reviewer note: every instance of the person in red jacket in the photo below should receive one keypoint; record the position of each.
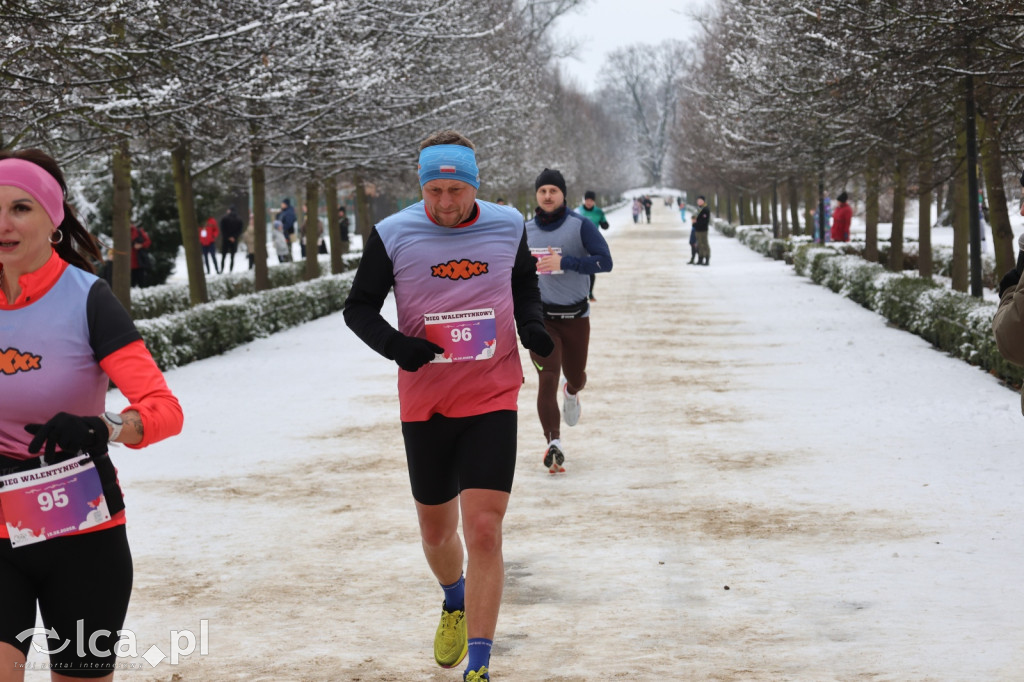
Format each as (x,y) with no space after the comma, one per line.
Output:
(140,241)
(841,219)
(208,239)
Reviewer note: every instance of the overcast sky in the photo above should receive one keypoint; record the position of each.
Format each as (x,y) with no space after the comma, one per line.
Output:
(603,26)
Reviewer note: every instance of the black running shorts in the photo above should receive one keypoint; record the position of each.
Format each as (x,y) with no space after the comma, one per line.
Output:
(85,577)
(447,455)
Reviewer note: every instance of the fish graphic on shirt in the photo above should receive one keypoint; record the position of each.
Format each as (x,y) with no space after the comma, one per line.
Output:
(13,360)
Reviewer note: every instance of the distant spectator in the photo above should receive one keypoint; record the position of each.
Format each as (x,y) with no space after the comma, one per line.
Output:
(646,201)
(249,240)
(700,226)
(322,247)
(230,229)
(287,217)
(208,239)
(281,245)
(637,207)
(499,201)
(343,226)
(841,219)
(693,239)
(1008,322)
(1022,192)
(140,256)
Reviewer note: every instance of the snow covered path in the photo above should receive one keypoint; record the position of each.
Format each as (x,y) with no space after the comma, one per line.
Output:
(767,483)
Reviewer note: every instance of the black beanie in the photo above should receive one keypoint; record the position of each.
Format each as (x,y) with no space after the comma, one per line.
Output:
(589,194)
(550,177)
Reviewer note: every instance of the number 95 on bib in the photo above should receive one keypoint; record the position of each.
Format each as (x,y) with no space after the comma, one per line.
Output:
(464,334)
(45,503)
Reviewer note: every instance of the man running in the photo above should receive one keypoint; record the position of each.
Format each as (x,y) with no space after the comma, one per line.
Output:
(464,283)
(569,249)
(595,214)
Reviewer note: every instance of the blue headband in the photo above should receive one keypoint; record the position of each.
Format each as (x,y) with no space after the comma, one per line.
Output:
(449,162)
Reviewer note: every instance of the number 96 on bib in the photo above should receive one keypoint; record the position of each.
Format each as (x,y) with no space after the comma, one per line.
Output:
(465,335)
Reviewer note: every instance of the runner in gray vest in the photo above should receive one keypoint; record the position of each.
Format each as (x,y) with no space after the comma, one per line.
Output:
(569,248)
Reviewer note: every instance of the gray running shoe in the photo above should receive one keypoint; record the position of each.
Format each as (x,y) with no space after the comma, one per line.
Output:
(570,406)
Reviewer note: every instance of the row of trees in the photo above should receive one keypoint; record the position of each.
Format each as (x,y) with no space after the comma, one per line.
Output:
(286,93)
(874,96)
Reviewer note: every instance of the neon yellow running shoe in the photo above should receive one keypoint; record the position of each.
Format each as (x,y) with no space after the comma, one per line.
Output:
(450,642)
(477,675)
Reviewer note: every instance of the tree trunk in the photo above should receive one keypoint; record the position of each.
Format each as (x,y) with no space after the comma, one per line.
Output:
(333,226)
(311,229)
(810,204)
(961,220)
(794,203)
(121,229)
(899,211)
(924,220)
(998,215)
(871,208)
(783,207)
(364,221)
(261,274)
(180,167)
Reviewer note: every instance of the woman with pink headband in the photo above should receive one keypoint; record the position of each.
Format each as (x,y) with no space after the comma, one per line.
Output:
(63,338)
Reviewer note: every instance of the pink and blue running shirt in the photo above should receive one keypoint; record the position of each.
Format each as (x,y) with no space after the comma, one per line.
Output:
(50,351)
(438,271)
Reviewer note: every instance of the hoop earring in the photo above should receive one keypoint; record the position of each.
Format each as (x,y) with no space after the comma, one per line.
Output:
(60,237)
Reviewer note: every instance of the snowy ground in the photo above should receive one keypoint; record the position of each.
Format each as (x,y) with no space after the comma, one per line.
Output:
(768,483)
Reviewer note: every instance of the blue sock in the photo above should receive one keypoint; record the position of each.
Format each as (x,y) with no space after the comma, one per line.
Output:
(455,595)
(479,653)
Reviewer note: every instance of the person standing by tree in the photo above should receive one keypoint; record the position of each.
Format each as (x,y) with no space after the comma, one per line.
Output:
(140,255)
(841,218)
(700,227)
(591,211)
(208,240)
(464,283)
(288,219)
(343,229)
(70,337)
(230,230)
(569,249)
(249,239)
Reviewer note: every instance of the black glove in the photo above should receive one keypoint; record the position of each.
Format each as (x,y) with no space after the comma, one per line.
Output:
(536,338)
(411,352)
(70,433)
(603,224)
(1010,279)
(1022,178)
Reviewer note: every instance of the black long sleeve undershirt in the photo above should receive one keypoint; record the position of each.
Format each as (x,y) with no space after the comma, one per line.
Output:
(376,276)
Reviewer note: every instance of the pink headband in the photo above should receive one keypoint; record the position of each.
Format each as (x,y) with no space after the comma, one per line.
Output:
(37,182)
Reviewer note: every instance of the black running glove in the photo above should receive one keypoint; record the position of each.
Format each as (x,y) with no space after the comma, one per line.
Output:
(536,338)
(411,352)
(1010,279)
(69,433)
(603,224)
